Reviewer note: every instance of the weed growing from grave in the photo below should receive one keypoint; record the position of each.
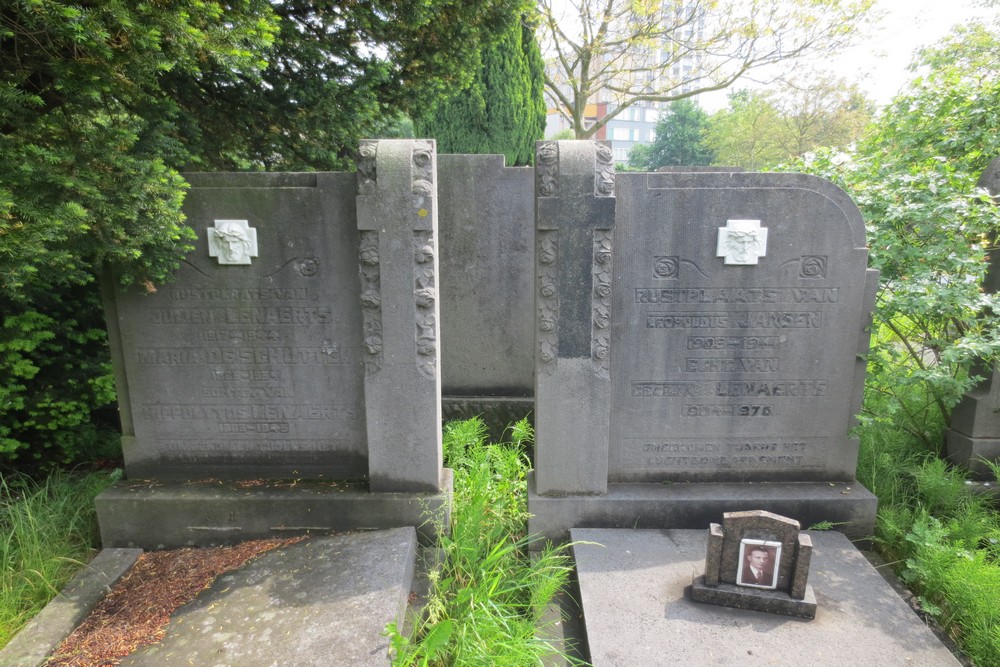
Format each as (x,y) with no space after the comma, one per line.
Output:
(48,530)
(487,595)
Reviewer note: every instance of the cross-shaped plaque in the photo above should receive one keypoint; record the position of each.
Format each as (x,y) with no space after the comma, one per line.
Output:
(742,242)
(232,241)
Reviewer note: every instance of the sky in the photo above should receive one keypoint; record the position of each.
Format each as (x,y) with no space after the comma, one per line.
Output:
(879,65)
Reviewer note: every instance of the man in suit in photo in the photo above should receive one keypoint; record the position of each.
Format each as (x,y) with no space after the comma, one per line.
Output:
(758,570)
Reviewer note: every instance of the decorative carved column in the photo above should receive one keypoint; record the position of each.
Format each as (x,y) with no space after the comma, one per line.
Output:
(575,215)
(397,222)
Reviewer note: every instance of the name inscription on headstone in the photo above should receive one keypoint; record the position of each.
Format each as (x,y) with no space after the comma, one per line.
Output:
(729,370)
(254,366)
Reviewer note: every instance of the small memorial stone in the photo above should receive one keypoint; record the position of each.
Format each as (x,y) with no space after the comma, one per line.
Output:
(759,561)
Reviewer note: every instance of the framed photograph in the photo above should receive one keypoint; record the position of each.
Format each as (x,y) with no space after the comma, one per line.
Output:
(759,560)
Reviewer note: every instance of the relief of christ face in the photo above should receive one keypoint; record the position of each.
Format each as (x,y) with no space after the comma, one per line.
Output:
(742,243)
(233,242)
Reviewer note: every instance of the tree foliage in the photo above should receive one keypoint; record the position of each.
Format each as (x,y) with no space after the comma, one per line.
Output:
(680,139)
(503,109)
(763,128)
(337,72)
(745,134)
(930,229)
(629,51)
(102,103)
(86,180)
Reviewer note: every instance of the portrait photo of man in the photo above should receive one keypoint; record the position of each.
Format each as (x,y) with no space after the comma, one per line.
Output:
(758,563)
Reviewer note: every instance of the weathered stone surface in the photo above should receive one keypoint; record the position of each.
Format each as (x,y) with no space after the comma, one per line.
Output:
(800,575)
(299,341)
(163,516)
(487,279)
(325,601)
(730,369)
(397,220)
(849,505)
(753,599)
(249,370)
(574,217)
(632,593)
(36,640)
(758,525)
(754,561)
(735,346)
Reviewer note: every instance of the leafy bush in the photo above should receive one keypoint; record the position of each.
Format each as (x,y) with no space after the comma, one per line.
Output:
(57,400)
(930,231)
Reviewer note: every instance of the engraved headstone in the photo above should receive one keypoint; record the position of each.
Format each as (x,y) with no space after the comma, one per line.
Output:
(298,341)
(760,561)
(974,436)
(731,349)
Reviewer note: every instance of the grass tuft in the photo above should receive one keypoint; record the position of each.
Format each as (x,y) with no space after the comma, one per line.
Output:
(48,530)
(487,595)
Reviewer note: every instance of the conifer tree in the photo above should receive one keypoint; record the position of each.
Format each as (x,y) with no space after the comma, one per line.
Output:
(503,109)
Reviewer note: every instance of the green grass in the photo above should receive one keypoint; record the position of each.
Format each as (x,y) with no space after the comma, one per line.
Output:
(48,530)
(942,538)
(487,595)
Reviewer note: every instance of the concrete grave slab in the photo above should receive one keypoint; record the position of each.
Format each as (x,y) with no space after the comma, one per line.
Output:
(632,592)
(325,601)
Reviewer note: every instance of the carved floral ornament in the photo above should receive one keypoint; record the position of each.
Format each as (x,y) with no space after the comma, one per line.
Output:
(601,303)
(367,152)
(548,302)
(371,301)
(604,179)
(547,167)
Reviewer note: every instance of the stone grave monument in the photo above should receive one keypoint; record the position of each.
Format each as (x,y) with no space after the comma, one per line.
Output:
(700,346)
(974,435)
(757,560)
(288,379)
(487,305)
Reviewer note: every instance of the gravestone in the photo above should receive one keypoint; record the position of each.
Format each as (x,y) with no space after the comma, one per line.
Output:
(701,343)
(288,378)
(974,436)
(760,561)
(487,286)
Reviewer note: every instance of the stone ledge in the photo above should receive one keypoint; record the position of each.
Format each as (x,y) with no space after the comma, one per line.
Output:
(695,505)
(158,515)
(970,452)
